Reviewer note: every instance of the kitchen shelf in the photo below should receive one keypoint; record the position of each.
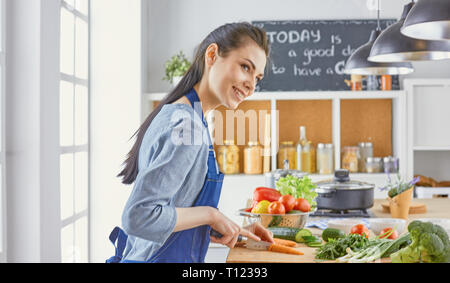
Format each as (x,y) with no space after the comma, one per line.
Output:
(431,148)
(306,95)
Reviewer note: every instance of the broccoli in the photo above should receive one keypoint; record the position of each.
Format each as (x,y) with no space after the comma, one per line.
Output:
(429,243)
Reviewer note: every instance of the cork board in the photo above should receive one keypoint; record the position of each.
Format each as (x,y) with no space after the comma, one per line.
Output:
(367,120)
(315,115)
(254,113)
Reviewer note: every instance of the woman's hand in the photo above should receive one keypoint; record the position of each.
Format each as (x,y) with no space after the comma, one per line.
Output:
(228,229)
(260,231)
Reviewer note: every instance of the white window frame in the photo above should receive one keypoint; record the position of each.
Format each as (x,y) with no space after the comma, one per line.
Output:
(2,133)
(85,147)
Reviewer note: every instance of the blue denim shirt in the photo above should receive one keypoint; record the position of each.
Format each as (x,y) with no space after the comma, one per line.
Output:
(172,167)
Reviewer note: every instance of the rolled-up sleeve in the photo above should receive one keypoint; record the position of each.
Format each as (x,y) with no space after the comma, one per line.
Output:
(150,211)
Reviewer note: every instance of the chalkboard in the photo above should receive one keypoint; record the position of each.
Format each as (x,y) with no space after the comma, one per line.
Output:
(311,55)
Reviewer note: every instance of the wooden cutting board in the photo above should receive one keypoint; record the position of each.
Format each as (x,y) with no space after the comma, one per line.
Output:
(415,208)
(244,255)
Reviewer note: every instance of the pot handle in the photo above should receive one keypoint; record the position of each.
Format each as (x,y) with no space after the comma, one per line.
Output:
(327,193)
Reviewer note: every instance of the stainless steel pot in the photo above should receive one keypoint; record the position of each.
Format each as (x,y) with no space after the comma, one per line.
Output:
(343,194)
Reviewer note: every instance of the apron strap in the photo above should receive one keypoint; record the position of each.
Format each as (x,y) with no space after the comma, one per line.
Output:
(118,235)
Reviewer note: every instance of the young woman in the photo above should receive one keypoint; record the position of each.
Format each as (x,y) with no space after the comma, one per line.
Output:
(173,205)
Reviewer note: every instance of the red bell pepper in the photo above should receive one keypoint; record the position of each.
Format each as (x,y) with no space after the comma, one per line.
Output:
(263,193)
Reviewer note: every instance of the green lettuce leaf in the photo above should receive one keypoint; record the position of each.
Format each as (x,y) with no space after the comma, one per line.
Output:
(298,188)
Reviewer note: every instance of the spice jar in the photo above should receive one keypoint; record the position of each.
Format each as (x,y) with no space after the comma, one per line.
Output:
(253,158)
(373,165)
(325,163)
(386,82)
(228,158)
(365,151)
(287,152)
(350,158)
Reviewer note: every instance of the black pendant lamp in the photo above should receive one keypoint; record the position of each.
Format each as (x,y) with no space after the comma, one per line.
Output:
(393,46)
(358,64)
(429,20)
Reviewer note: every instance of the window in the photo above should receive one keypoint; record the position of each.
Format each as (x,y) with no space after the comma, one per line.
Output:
(74,130)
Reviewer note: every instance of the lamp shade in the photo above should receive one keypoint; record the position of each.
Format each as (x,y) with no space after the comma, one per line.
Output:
(428,19)
(393,46)
(358,64)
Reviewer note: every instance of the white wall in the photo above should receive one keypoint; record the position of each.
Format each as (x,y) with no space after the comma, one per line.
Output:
(115,112)
(175,25)
(32,131)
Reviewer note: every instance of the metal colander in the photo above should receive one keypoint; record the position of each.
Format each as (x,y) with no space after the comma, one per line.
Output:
(293,220)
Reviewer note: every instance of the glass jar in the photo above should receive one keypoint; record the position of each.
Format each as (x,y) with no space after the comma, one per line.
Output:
(390,164)
(374,165)
(228,158)
(350,157)
(324,158)
(287,152)
(365,150)
(253,158)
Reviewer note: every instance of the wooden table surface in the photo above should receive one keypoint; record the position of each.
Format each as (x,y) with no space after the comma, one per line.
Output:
(436,208)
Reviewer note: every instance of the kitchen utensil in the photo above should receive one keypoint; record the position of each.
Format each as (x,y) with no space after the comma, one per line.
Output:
(378,224)
(343,194)
(294,220)
(249,243)
(414,208)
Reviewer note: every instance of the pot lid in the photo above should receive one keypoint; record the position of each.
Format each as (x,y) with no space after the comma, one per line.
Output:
(342,181)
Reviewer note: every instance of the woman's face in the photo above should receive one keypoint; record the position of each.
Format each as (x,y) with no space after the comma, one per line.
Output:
(233,78)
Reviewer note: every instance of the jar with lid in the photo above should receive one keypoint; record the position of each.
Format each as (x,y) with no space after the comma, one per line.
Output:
(287,152)
(324,159)
(350,158)
(374,165)
(253,158)
(365,150)
(390,164)
(228,158)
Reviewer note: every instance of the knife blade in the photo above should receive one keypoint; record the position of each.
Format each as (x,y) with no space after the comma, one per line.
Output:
(249,243)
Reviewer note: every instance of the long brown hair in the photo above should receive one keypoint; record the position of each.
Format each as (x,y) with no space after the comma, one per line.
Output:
(227,37)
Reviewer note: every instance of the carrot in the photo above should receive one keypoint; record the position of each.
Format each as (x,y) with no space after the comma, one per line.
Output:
(284,249)
(283,242)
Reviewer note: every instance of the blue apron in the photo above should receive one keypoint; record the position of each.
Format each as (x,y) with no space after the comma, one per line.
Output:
(188,246)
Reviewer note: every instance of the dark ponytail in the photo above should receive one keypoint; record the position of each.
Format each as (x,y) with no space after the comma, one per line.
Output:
(228,37)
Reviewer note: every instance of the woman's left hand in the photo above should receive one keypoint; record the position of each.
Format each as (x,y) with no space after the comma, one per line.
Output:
(259,230)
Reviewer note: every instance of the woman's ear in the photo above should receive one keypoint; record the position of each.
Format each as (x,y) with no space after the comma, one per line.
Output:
(212,52)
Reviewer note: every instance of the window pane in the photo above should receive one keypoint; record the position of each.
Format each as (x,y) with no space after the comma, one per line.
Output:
(66,175)
(67,42)
(67,241)
(82,6)
(81,181)
(70,2)
(81,115)
(66,113)
(81,240)
(82,49)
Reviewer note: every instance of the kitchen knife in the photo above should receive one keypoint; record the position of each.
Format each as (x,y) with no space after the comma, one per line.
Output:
(249,243)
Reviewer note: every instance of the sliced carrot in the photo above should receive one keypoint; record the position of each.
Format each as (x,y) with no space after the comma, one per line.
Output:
(284,242)
(284,249)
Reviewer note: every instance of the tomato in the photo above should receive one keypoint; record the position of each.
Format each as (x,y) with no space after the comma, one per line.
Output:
(361,230)
(276,207)
(393,236)
(288,201)
(302,205)
(269,194)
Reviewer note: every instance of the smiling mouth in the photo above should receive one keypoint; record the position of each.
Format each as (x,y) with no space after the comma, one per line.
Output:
(238,94)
